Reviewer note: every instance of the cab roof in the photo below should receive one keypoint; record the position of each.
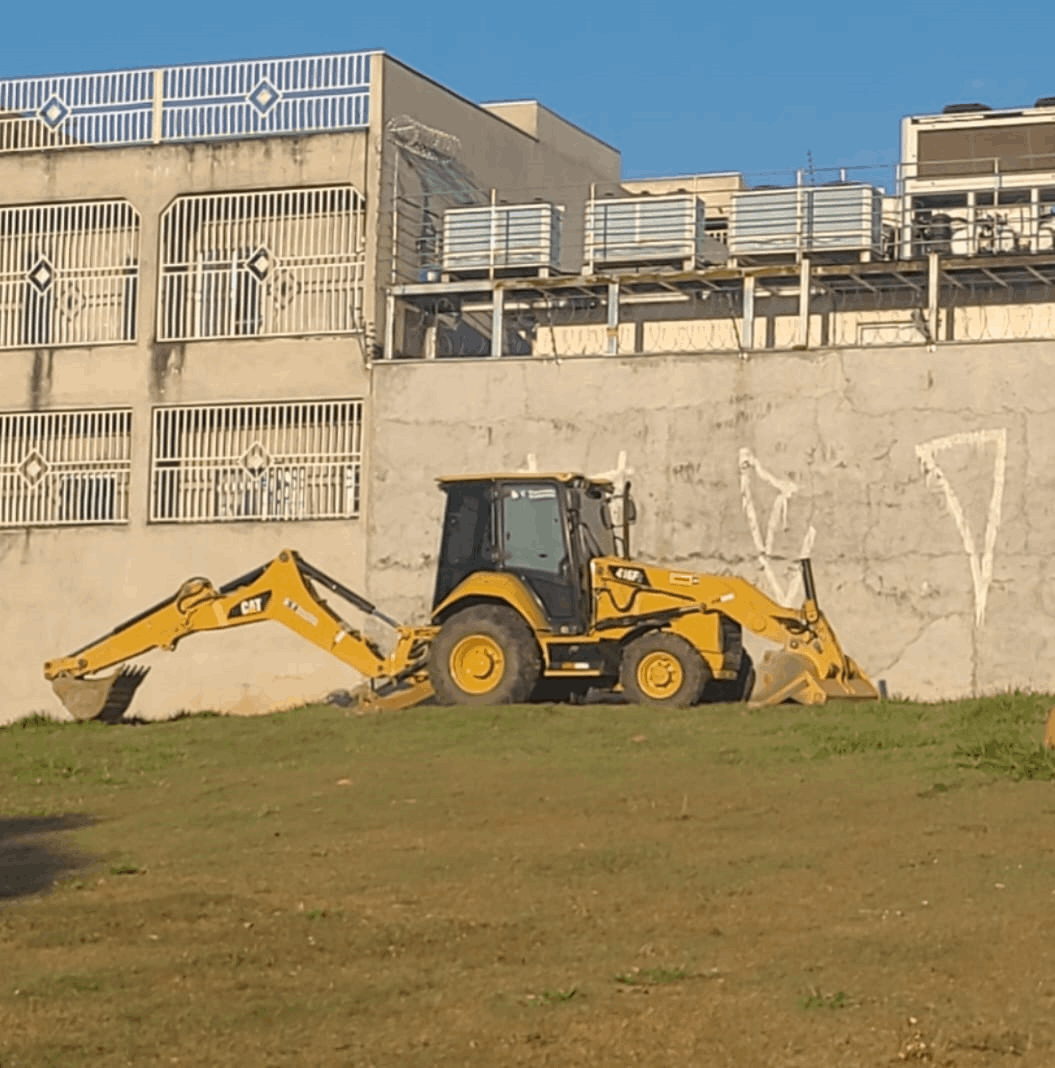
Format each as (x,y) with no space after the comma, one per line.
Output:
(525,476)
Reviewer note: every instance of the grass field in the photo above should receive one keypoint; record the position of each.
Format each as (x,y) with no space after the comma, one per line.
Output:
(854,885)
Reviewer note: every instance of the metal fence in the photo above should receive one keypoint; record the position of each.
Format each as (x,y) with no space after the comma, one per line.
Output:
(268,264)
(69,274)
(205,101)
(227,462)
(65,468)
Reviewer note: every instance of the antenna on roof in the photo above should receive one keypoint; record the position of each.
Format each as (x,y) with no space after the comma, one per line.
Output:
(809,162)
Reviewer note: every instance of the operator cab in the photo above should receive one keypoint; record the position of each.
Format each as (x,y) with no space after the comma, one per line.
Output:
(544,529)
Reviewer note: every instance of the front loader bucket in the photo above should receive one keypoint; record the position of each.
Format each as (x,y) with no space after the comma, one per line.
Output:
(104,698)
(784,677)
(788,676)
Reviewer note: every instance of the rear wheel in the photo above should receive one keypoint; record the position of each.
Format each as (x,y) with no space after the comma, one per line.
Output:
(663,669)
(484,655)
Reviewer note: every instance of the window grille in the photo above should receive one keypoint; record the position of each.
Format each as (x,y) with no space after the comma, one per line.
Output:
(269,264)
(226,462)
(65,468)
(69,274)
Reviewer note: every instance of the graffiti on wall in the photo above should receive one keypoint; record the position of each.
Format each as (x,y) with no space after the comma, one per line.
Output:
(981,564)
(787,589)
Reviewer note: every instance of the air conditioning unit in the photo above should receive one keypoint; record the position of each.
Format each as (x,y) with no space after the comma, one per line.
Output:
(844,217)
(650,230)
(768,221)
(502,237)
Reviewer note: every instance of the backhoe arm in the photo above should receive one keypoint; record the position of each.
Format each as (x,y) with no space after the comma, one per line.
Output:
(282,590)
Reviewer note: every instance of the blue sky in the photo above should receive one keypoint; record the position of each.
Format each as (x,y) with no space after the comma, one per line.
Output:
(677,87)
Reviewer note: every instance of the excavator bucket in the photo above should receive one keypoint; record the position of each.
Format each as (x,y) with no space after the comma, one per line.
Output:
(106,698)
(790,677)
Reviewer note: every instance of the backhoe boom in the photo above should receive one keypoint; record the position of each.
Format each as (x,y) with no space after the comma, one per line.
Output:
(281,590)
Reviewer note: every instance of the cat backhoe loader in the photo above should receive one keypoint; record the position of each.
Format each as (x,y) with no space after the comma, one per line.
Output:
(536,597)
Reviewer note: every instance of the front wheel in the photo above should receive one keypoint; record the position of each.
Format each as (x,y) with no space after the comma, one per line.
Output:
(485,655)
(663,669)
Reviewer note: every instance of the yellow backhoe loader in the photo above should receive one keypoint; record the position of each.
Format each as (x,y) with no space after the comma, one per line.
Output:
(536,597)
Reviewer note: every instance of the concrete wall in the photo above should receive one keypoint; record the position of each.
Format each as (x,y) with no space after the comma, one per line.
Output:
(716,325)
(917,481)
(59,588)
(942,584)
(557,133)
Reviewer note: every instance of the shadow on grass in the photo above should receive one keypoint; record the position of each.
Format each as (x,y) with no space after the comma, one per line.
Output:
(31,860)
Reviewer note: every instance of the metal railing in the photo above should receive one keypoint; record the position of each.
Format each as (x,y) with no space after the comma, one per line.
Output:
(269,264)
(205,101)
(228,462)
(65,468)
(69,274)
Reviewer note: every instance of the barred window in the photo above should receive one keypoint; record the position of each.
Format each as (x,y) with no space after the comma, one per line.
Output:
(283,262)
(226,462)
(65,468)
(69,274)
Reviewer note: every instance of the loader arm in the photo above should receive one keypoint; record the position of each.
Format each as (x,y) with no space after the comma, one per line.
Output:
(282,590)
(811,667)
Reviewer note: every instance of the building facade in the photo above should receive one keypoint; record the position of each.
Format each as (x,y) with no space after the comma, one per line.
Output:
(262,304)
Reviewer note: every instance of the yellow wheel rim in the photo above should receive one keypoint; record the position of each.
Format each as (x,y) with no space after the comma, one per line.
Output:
(477,664)
(659,675)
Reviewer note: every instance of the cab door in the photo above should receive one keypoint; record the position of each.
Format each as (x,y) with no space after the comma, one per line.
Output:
(535,547)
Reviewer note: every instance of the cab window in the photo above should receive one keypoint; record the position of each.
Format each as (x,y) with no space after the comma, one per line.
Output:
(533,532)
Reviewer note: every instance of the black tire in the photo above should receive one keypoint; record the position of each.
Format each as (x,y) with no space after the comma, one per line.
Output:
(732,691)
(665,657)
(517,666)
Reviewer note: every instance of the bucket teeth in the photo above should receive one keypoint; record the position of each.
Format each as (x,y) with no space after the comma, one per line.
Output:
(105,698)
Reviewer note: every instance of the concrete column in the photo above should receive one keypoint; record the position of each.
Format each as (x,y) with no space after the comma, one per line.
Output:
(747,335)
(804,303)
(390,327)
(933,290)
(907,211)
(497,318)
(612,347)
(158,102)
